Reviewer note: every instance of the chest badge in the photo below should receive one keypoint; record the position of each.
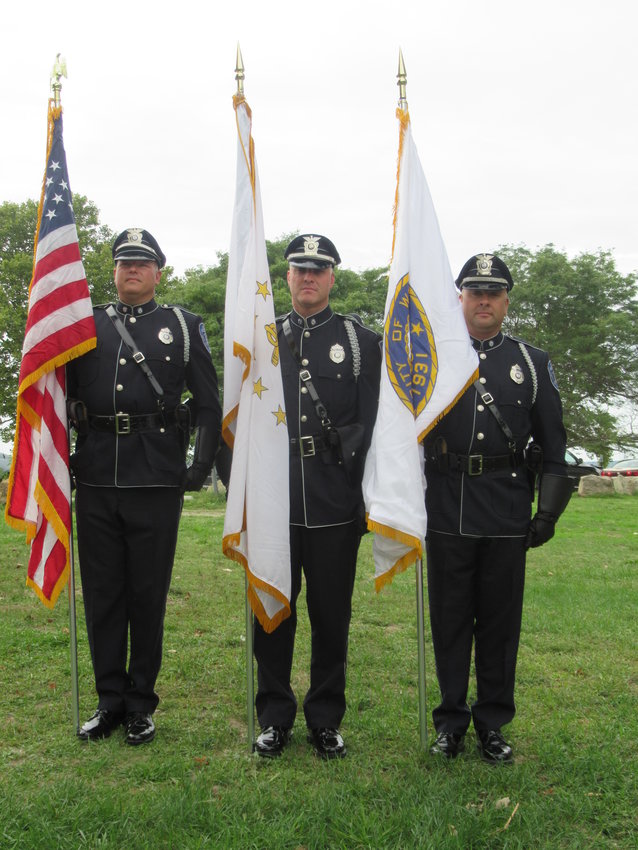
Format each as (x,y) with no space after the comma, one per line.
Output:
(516,374)
(337,353)
(165,336)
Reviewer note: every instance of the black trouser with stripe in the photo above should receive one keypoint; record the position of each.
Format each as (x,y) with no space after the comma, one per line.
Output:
(475,589)
(328,558)
(126,542)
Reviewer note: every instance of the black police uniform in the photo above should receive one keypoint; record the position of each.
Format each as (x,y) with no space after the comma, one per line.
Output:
(129,466)
(478,501)
(325,513)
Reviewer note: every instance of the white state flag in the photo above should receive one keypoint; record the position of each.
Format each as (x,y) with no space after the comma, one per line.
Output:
(428,363)
(256,526)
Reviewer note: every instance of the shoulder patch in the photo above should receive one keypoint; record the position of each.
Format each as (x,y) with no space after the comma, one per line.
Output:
(202,333)
(552,375)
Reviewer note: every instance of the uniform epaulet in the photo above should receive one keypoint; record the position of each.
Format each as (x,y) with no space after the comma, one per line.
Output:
(178,307)
(523,342)
(279,320)
(103,306)
(353,318)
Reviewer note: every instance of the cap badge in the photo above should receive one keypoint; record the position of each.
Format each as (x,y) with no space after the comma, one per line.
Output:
(134,235)
(165,336)
(516,374)
(337,353)
(484,264)
(311,245)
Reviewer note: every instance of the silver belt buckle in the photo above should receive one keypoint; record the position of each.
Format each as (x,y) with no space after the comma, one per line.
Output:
(122,423)
(307,446)
(475,464)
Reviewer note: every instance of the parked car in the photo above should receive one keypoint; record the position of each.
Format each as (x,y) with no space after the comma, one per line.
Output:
(5,462)
(629,467)
(578,468)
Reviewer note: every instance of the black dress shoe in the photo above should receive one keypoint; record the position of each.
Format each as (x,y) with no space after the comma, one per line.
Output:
(328,743)
(272,740)
(493,747)
(448,745)
(140,728)
(100,725)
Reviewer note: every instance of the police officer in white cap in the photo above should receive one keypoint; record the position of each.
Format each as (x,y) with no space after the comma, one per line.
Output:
(480,475)
(130,472)
(331,369)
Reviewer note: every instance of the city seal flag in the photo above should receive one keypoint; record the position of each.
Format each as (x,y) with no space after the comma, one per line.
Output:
(59,327)
(428,363)
(256,526)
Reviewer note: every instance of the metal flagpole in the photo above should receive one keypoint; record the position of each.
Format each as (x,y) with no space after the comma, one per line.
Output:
(75,691)
(402,81)
(420,627)
(250,675)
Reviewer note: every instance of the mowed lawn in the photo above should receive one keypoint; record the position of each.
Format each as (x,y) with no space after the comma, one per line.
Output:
(574,783)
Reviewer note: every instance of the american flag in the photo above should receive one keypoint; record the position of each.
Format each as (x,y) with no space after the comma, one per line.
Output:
(59,327)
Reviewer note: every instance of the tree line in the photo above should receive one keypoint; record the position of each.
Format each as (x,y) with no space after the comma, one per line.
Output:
(581,310)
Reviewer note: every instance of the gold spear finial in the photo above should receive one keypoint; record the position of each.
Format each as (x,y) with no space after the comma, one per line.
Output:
(402,78)
(239,72)
(59,70)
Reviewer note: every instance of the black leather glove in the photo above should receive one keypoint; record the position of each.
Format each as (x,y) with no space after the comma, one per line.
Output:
(204,455)
(541,529)
(554,493)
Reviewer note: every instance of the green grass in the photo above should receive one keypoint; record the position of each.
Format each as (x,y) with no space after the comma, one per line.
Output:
(574,783)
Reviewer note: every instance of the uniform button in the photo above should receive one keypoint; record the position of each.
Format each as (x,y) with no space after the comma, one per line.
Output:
(338,376)
(132,320)
(480,408)
(513,475)
(518,401)
(119,388)
(480,436)
(483,355)
(482,380)
(304,418)
(162,430)
(306,334)
(304,390)
(167,358)
(304,362)
(122,361)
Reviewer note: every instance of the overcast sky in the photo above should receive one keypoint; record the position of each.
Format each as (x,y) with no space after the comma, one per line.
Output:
(524,114)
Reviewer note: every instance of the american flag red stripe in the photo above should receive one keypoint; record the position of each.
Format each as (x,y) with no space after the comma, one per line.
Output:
(59,327)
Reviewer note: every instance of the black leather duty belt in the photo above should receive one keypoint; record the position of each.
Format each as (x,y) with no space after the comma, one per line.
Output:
(308,446)
(477,464)
(132,423)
